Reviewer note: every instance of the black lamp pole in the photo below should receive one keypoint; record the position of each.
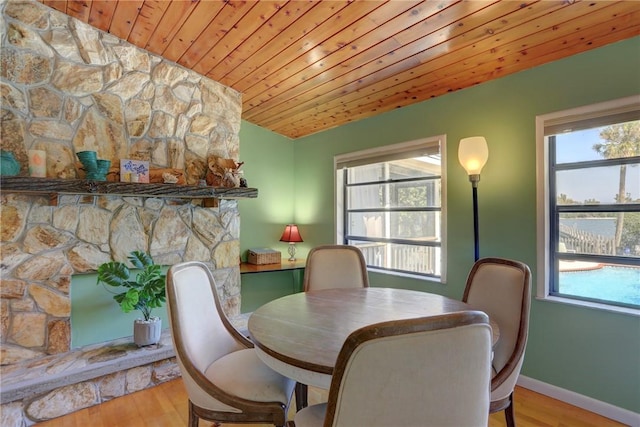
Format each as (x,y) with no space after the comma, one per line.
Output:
(476,239)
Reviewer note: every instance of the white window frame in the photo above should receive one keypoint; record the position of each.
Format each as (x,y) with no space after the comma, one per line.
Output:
(544,270)
(390,150)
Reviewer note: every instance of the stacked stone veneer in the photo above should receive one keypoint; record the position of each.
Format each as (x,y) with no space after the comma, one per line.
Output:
(67,87)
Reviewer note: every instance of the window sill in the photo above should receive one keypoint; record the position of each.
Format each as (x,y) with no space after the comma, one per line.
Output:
(592,305)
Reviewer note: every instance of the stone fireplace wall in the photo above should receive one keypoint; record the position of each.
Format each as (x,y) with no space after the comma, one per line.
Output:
(66,87)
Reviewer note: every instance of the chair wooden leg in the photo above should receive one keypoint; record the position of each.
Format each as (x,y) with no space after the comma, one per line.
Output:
(302,392)
(193,418)
(508,413)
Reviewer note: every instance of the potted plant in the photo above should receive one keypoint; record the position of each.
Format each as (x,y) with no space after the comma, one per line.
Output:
(144,293)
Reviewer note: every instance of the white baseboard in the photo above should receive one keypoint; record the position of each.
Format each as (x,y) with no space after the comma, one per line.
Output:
(590,404)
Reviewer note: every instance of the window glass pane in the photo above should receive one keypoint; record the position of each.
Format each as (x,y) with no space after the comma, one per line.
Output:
(603,282)
(393,195)
(392,256)
(592,210)
(606,142)
(419,226)
(387,198)
(397,169)
(600,185)
(600,233)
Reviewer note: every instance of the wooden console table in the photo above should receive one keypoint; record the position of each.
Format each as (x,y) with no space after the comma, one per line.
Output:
(285,264)
(260,290)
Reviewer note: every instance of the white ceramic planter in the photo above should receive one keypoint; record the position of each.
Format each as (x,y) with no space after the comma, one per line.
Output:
(147,332)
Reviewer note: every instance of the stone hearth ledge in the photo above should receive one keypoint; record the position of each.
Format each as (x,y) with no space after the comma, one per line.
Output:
(36,377)
(40,376)
(54,386)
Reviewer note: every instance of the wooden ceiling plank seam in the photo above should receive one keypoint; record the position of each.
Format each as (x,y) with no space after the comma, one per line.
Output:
(567,36)
(286,37)
(394,93)
(239,62)
(101,14)
(372,38)
(248,24)
(506,65)
(196,23)
(213,33)
(601,40)
(437,55)
(319,35)
(151,13)
(362,77)
(335,97)
(170,23)
(350,116)
(257,22)
(217,31)
(574,40)
(303,28)
(337,27)
(79,9)
(355,66)
(458,78)
(361,74)
(124,18)
(314,75)
(358,37)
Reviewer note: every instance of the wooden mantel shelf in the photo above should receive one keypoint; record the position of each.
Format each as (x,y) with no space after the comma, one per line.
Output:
(54,187)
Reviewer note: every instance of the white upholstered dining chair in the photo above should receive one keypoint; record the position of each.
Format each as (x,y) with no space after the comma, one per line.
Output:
(335,266)
(224,378)
(502,289)
(328,267)
(429,371)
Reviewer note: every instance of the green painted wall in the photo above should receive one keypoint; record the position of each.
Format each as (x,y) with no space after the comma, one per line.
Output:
(591,352)
(268,166)
(258,289)
(100,317)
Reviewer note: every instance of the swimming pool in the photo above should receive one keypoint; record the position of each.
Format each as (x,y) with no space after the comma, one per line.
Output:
(608,283)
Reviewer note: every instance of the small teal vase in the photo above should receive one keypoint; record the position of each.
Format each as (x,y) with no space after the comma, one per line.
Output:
(9,166)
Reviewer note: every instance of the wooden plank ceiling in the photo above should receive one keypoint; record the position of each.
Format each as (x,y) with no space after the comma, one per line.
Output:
(306,66)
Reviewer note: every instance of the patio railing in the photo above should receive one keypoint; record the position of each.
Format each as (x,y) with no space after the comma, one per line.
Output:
(418,259)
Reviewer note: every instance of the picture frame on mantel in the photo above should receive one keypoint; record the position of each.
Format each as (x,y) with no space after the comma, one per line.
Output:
(134,170)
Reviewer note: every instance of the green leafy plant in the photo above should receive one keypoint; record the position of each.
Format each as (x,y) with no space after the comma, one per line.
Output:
(144,293)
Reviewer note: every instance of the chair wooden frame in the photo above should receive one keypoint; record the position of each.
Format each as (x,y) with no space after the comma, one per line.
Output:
(388,329)
(514,360)
(252,411)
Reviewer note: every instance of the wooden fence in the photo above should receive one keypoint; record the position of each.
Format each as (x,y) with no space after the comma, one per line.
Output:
(420,259)
(580,241)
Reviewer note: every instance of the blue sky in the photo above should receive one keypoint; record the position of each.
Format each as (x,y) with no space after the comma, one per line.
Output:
(595,183)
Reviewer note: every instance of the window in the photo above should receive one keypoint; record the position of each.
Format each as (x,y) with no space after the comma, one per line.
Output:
(389,204)
(590,205)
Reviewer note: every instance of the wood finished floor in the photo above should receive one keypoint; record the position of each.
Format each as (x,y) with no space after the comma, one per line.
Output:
(166,406)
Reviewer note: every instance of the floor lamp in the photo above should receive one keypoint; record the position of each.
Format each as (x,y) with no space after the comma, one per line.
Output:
(473,154)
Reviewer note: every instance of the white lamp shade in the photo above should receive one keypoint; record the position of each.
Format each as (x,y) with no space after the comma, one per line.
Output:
(473,154)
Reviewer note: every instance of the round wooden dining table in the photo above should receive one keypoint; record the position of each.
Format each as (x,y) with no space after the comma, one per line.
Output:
(300,335)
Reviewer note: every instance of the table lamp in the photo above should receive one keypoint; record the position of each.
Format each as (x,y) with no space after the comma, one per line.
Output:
(291,235)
